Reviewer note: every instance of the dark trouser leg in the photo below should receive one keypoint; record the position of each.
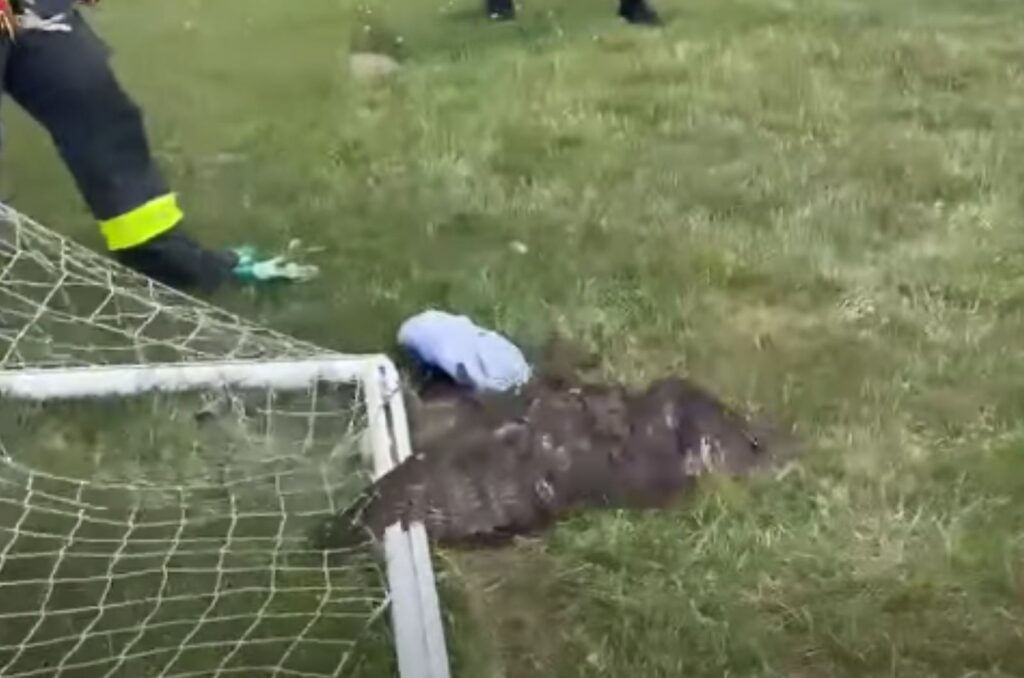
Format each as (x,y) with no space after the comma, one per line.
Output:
(5,50)
(65,82)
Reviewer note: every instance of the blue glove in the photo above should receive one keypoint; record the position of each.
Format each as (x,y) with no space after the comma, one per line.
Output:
(472,356)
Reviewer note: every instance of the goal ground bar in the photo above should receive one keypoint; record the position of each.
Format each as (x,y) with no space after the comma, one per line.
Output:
(61,383)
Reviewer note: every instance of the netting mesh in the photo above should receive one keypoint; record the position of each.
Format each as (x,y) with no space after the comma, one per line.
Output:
(165,534)
(63,305)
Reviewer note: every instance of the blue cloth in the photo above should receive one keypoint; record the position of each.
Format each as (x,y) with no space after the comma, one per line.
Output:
(472,356)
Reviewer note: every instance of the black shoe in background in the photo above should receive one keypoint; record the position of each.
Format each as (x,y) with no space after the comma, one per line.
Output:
(639,12)
(501,10)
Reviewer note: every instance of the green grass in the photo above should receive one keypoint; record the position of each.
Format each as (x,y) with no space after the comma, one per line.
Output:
(812,206)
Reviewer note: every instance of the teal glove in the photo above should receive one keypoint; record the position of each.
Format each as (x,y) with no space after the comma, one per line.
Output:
(251,268)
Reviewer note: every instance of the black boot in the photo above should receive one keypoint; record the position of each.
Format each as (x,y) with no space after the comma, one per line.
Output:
(175,259)
(638,12)
(501,10)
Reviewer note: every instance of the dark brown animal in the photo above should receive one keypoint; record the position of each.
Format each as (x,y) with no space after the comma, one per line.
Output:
(490,467)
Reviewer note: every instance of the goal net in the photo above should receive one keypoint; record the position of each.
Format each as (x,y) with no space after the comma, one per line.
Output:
(162,464)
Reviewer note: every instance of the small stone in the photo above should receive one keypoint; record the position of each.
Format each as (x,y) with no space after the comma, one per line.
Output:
(519,247)
(371,66)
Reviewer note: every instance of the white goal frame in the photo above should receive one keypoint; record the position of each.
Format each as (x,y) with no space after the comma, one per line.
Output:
(415,610)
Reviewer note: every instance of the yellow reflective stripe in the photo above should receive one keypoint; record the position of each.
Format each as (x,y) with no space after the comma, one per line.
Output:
(142,223)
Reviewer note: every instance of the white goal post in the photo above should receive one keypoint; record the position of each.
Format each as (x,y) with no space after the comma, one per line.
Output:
(415,610)
(78,335)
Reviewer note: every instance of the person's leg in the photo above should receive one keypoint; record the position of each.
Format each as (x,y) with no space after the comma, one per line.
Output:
(5,49)
(64,80)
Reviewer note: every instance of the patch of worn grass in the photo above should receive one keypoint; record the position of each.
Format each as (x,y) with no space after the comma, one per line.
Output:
(811,206)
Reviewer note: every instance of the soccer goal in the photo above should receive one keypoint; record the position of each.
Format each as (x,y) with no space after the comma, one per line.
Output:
(162,463)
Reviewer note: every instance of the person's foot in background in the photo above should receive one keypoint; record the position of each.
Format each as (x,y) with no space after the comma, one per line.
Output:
(501,10)
(639,12)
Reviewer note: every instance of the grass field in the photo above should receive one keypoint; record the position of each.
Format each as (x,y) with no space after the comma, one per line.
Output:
(813,207)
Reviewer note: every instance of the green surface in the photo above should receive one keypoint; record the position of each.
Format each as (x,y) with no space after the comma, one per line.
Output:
(811,206)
